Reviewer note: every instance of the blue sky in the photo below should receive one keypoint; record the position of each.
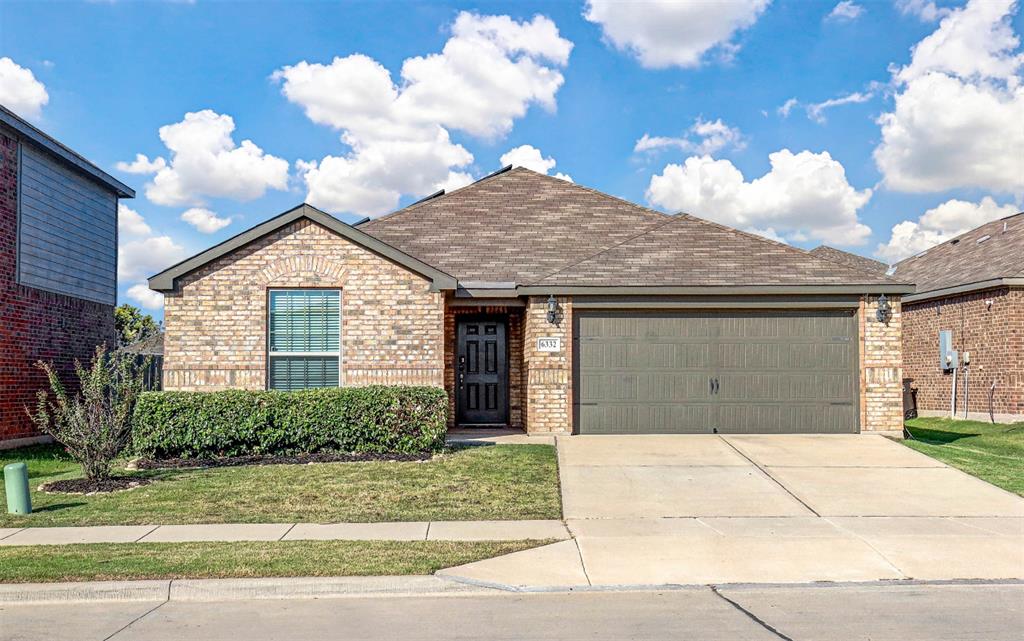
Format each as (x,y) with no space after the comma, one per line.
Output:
(928,135)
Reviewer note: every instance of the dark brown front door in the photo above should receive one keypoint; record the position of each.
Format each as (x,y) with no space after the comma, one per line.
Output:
(481,372)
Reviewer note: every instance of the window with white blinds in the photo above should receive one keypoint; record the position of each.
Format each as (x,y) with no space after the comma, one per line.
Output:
(304,338)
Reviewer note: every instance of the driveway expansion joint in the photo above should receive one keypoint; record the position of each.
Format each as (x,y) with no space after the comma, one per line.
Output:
(768,474)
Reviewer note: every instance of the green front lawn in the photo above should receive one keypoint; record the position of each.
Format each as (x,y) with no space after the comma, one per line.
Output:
(992,452)
(127,561)
(496,482)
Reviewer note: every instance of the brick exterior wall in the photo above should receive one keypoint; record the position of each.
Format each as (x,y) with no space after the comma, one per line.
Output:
(548,374)
(514,339)
(881,368)
(216,320)
(994,336)
(35,324)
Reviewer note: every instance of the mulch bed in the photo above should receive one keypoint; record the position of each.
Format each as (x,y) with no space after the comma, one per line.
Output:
(85,486)
(298,459)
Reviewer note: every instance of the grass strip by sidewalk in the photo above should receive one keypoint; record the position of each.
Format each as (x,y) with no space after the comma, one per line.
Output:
(993,452)
(251,559)
(501,482)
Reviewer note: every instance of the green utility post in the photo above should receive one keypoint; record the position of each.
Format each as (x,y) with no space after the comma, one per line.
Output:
(16,481)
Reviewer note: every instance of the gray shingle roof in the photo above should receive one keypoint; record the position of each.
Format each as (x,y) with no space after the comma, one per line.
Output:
(850,260)
(515,226)
(523,227)
(692,252)
(964,260)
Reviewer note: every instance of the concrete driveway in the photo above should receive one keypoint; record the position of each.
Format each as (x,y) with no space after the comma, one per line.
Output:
(698,509)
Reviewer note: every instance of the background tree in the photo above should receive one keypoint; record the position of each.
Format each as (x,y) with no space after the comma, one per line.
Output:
(132,324)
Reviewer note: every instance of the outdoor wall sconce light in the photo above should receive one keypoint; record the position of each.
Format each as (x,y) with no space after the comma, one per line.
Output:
(552,309)
(884,311)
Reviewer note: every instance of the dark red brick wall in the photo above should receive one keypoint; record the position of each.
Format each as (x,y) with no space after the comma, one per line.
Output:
(993,335)
(34,324)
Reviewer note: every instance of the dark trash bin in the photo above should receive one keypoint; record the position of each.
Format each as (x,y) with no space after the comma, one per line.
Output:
(909,399)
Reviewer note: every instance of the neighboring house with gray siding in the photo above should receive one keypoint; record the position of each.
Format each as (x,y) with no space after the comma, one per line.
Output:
(544,305)
(58,264)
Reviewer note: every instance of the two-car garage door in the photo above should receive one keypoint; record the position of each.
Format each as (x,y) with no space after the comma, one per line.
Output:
(769,372)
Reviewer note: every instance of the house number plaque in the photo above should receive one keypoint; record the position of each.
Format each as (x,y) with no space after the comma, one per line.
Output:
(549,344)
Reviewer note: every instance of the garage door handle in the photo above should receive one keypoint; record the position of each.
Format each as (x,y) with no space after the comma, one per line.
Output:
(716,386)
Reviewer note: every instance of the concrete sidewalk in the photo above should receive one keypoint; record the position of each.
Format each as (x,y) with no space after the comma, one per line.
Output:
(400,531)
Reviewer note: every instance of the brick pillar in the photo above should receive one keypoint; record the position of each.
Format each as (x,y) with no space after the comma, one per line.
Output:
(548,374)
(881,367)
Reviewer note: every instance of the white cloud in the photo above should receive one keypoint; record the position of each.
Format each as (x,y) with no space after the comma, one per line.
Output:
(803,196)
(767,232)
(816,111)
(206,162)
(130,223)
(530,157)
(956,117)
(787,107)
(711,137)
(939,224)
(146,297)
(141,165)
(20,91)
(973,42)
(204,220)
(923,9)
(845,11)
(666,33)
(488,74)
(138,259)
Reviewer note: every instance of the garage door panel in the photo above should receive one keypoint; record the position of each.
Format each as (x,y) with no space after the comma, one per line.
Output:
(649,418)
(784,418)
(776,372)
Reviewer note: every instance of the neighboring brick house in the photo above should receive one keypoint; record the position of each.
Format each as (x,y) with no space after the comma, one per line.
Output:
(972,285)
(58,265)
(543,305)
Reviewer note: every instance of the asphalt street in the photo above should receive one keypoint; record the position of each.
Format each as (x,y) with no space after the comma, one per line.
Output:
(879,612)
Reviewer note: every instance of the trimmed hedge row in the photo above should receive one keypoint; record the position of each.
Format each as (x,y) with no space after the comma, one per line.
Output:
(243,422)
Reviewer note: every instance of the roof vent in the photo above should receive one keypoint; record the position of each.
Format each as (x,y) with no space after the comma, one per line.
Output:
(983,239)
(1004,226)
(954,241)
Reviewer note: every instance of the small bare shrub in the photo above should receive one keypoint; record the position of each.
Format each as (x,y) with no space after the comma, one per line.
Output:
(94,424)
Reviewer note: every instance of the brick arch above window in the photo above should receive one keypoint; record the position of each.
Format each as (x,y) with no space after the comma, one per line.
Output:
(302,271)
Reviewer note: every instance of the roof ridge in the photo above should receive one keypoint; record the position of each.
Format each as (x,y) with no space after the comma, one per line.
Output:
(671,220)
(422,201)
(504,172)
(805,252)
(959,237)
(824,246)
(599,193)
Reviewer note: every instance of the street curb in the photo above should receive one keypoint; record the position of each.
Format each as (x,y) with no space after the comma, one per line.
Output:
(210,590)
(35,593)
(233,589)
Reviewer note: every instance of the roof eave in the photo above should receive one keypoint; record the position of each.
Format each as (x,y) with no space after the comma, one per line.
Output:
(716,290)
(165,281)
(964,289)
(65,153)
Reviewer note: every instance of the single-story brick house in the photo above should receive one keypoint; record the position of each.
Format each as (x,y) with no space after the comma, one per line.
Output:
(543,305)
(58,265)
(973,286)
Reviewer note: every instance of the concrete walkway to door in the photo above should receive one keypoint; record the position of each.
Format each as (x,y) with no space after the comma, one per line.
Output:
(657,510)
